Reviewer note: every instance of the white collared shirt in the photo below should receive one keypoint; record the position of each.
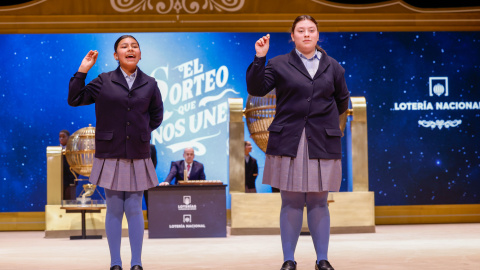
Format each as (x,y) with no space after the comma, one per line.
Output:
(186,167)
(310,64)
(130,79)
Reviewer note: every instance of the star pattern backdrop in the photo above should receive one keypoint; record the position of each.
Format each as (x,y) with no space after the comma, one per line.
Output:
(417,155)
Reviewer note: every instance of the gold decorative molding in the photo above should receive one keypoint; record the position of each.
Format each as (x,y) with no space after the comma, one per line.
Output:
(427,214)
(22,221)
(21,6)
(168,6)
(92,16)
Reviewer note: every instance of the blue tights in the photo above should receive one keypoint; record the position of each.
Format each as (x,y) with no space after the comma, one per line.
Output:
(130,203)
(291,218)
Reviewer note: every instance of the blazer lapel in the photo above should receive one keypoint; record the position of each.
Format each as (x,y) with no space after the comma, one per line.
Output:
(118,78)
(140,80)
(192,171)
(294,60)
(322,66)
(182,166)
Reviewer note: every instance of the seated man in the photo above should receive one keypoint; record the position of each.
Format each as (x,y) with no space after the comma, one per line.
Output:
(194,169)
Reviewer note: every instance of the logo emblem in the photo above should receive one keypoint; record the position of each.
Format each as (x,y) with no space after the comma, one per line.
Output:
(438,86)
(187,199)
(187,218)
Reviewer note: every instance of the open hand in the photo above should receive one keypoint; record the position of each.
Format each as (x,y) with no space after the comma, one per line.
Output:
(88,61)
(262,45)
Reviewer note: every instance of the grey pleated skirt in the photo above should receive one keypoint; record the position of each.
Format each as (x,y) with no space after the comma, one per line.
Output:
(302,174)
(123,174)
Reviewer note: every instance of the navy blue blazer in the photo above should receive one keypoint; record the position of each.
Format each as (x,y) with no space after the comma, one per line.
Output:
(302,102)
(125,118)
(176,172)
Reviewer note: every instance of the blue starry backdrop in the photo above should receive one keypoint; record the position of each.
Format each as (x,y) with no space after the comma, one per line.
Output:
(418,154)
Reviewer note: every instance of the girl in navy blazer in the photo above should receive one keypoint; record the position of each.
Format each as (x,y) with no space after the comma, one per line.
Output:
(304,147)
(128,107)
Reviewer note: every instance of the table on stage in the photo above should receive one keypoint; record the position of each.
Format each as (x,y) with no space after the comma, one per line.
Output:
(187,211)
(83,211)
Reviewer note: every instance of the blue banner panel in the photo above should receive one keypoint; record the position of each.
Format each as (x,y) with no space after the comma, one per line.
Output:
(422,91)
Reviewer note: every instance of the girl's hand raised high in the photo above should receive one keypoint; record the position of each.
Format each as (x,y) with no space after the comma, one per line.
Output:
(262,45)
(88,61)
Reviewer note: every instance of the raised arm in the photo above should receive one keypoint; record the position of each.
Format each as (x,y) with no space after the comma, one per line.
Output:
(88,61)
(260,79)
(262,45)
(78,93)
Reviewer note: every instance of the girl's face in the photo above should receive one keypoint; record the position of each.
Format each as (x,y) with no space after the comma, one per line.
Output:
(128,54)
(305,36)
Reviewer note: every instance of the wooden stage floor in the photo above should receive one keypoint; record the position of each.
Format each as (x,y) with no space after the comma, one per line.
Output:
(442,246)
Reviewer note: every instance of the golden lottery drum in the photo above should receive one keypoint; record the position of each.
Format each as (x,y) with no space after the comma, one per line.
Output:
(259,114)
(80,150)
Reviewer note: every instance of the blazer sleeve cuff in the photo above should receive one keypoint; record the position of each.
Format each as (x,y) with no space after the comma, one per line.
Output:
(259,60)
(80,75)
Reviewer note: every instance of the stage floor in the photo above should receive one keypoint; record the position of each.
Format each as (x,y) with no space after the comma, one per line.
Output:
(443,246)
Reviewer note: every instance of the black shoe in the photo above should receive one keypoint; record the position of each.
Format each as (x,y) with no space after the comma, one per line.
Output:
(289,265)
(323,265)
(116,267)
(136,267)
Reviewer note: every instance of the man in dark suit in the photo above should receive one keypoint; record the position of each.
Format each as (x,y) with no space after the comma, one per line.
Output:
(194,169)
(69,184)
(251,169)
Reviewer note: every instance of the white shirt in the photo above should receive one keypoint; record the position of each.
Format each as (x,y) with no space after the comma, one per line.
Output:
(186,167)
(311,64)
(130,79)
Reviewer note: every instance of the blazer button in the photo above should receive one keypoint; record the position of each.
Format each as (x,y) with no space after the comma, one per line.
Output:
(128,137)
(311,82)
(309,99)
(129,95)
(129,109)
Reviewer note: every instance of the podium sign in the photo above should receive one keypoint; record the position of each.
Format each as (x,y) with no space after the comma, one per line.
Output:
(187,211)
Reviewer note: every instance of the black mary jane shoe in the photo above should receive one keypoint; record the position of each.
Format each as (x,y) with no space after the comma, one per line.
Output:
(136,267)
(323,265)
(289,265)
(116,267)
